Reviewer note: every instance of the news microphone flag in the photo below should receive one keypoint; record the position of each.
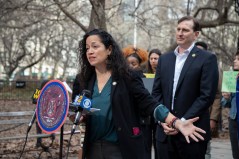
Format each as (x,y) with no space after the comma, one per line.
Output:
(35,96)
(83,102)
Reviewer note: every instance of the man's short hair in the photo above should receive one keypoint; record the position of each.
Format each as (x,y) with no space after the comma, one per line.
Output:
(237,53)
(196,26)
(202,44)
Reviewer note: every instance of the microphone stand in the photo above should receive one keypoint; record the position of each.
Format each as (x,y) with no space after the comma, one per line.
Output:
(61,142)
(32,121)
(76,122)
(28,129)
(77,117)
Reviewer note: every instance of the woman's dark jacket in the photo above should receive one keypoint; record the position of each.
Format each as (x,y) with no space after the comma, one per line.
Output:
(128,98)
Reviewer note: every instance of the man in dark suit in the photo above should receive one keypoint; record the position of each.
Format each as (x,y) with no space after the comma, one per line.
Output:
(187,87)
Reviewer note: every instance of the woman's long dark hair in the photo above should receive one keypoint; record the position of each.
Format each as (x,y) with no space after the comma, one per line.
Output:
(115,60)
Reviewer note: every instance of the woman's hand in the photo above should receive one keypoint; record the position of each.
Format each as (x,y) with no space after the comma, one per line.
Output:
(167,130)
(226,95)
(189,130)
(73,116)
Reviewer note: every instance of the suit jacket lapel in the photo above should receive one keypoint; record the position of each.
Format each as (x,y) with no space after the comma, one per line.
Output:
(191,57)
(170,71)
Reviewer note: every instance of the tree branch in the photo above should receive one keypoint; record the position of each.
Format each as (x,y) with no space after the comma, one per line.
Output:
(204,8)
(17,26)
(70,16)
(225,50)
(218,22)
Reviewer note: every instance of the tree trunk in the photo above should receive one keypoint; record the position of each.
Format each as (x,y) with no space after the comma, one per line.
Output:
(97,17)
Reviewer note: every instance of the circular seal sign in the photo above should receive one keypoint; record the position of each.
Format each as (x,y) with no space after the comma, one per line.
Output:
(52,106)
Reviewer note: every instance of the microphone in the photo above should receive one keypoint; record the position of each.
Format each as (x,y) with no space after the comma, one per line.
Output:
(80,102)
(34,101)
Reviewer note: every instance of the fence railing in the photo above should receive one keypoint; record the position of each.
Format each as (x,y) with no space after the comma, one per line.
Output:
(19,90)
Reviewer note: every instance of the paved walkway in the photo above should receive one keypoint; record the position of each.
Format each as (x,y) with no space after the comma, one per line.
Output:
(221,149)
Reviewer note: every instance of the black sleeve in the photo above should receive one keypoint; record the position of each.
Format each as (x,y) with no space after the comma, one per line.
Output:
(76,88)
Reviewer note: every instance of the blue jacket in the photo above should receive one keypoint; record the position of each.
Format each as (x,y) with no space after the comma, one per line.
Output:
(232,102)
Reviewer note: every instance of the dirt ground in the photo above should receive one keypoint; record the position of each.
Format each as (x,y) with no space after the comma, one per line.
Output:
(11,149)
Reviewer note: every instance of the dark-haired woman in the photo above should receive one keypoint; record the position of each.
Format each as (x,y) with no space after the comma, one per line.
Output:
(114,132)
(152,64)
(153,57)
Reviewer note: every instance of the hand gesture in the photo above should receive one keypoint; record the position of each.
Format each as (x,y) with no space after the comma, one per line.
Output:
(189,130)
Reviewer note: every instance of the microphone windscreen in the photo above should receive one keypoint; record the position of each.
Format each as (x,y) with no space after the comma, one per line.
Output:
(86,93)
(35,96)
(37,92)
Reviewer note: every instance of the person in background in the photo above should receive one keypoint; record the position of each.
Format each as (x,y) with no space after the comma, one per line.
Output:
(187,87)
(215,108)
(153,57)
(229,100)
(135,57)
(38,129)
(201,45)
(119,93)
(224,119)
(152,63)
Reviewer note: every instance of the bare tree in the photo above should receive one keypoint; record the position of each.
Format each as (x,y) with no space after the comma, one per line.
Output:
(220,29)
(33,30)
(215,16)
(28,33)
(97,18)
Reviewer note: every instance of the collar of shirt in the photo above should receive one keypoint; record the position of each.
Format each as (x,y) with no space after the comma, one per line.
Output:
(187,51)
(180,60)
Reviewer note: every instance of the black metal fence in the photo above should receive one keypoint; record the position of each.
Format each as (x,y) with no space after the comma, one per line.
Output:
(18,90)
